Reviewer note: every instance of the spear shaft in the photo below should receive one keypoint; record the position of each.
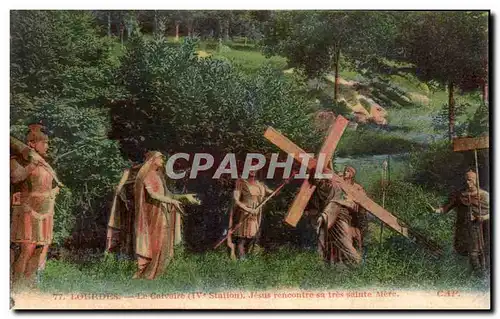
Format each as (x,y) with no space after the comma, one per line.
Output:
(385,178)
(481,239)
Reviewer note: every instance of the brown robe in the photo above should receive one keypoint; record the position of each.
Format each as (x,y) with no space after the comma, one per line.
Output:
(466,204)
(335,219)
(154,227)
(121,237)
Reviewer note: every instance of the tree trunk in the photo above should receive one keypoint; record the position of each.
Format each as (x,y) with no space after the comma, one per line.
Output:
(190,28)
(177,25)
(162,26)
(451,111)
(155,25)
(485,91)
(109,24)
(121,34)
(226,29)
(336,85)
(129,28)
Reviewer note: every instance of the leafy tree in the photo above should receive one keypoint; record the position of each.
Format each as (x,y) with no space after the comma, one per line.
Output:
(47,46)
(314,40)
(440,121)
(223,24)
(62,74)
(450,48)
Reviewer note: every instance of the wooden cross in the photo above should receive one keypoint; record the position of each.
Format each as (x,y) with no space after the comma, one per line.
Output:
(470,143)
(306,190)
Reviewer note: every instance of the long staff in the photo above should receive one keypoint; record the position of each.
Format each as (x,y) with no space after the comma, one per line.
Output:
(385,181)
(481,239)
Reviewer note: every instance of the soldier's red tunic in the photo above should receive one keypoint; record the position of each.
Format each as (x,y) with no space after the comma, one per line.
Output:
(33,203)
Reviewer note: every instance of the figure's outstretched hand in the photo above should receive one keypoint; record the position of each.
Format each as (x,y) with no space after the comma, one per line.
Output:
(164,206)
(192,199)
(55,191)
(480,218)
(177,205)
(438,210)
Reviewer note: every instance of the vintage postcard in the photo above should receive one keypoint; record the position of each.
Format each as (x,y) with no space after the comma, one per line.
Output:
(232,159)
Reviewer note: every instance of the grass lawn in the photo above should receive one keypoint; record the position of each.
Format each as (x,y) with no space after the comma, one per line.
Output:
(251,61)
(416,123)
(369,168)
(349,75)
(396,264)
(410,83)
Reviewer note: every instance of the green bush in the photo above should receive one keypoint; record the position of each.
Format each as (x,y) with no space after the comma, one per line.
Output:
(409,202)
(49,46)
(410,83)
(439,168)
(382,99)
(479,124)
(62,74)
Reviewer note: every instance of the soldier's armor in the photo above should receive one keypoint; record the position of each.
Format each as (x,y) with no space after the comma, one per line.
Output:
(471,201)
(33,204)
(251,195)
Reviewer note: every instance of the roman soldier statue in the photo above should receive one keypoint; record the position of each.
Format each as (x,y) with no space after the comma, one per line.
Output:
(472,227)
(35,186)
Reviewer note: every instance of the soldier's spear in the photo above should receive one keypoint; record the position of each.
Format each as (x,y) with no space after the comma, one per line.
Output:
(385,168)
(481,239)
